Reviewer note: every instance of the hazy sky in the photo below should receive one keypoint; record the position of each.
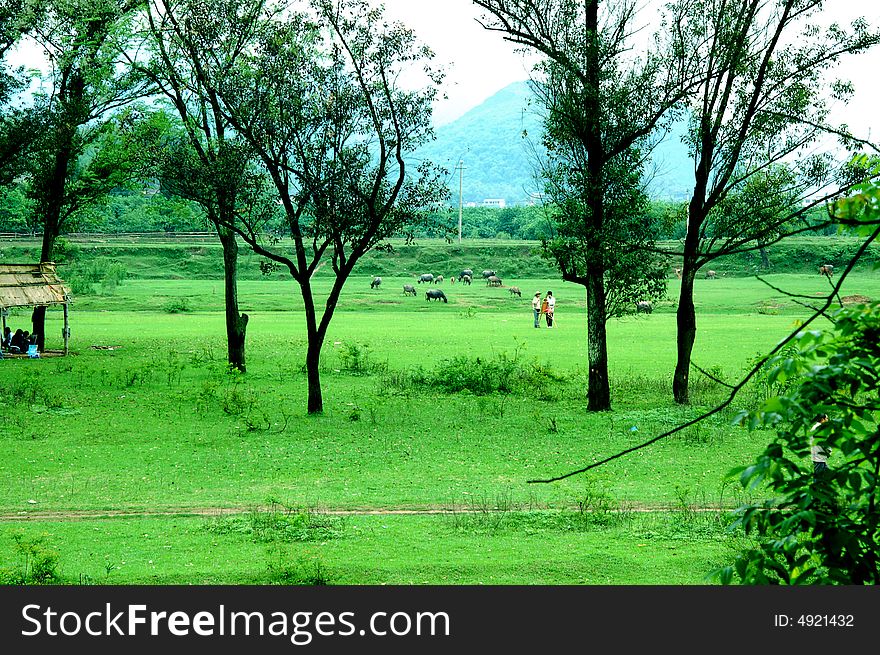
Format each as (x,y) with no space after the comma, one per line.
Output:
(479,62)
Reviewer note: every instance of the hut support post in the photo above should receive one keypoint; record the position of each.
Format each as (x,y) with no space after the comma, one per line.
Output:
(66,330)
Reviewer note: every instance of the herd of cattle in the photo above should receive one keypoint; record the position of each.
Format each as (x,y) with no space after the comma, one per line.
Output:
(466,276)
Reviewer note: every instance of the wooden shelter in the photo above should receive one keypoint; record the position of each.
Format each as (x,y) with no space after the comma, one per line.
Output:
(33,285)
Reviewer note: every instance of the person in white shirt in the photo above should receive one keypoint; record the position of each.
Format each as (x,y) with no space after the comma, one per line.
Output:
(819,453)
(536,308)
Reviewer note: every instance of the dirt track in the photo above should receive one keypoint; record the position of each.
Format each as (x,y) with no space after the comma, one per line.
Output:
(208,512)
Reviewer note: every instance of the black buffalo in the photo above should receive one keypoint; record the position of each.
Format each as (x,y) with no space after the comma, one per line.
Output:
(427,277)
(493,281)
(435,294)
(466,271)
(376,282)
(487,274)
(409,289)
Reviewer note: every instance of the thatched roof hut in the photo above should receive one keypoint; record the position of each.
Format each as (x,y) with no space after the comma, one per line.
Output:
(33,285)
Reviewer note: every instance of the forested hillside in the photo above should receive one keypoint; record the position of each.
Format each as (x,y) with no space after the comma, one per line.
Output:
(500,139)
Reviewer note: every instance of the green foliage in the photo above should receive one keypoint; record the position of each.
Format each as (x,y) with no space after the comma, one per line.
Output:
(37,561)
(281,523)
(357,359)
(483,376)
(105,272)
(16,210)
(818,529)
(177,305)
(286,570)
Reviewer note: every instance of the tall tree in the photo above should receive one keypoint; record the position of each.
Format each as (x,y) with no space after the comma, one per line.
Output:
(189,41)
(605,103)
(81,40)
(763,102)
(318,99)
(20,126)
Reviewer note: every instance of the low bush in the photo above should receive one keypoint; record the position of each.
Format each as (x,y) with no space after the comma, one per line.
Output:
(483,376)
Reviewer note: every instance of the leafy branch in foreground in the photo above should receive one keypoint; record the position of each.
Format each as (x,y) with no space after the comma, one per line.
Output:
(818,528)
(860,212)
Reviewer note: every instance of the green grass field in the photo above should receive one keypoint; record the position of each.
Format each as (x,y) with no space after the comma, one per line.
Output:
(150,463)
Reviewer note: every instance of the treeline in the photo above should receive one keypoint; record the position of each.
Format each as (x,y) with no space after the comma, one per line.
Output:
(152,210)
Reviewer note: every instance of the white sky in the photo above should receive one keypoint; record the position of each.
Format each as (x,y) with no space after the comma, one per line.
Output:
(479,62)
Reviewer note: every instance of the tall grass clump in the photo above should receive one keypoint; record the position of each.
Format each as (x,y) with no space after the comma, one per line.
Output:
(357,359)
(36,562)
(280,523)
(483,376)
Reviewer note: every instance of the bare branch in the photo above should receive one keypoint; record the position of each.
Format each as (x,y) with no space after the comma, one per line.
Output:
(735,389)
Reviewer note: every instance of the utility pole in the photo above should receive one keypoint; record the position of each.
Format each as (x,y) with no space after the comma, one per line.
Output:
(459,168)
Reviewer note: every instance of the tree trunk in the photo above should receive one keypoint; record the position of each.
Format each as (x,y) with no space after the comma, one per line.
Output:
(765,260)
(313,359)
(54,192)
(50,234)
(236,324)
(598,388)
(686,318)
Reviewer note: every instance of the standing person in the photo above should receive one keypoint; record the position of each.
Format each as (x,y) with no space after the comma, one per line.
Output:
(551,306)
(819,453)
(7,338)
(536,308)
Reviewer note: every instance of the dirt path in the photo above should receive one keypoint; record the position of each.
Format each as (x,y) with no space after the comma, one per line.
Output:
(213,512)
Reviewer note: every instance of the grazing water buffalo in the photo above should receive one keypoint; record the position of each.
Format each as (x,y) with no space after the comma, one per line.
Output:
(435,294)
(465,279)
(711,275)
(438,279)
(644,307)
(466,271)
(487,274)
(827,270)
(493,281)
(427,277)
(409,289)
(515,290)
(376,282)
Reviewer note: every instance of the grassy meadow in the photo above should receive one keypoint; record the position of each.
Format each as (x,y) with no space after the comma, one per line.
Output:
(140,459)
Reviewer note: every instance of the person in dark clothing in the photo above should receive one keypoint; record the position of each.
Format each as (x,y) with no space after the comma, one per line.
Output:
(18,343)
(7,338)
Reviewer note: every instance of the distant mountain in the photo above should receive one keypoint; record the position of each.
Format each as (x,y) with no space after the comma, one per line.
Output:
(489,140)
(496,141)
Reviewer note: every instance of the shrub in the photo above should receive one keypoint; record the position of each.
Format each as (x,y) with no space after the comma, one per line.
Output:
(37,562)
(357,359)
(176,305)
(818,529)
(482,377)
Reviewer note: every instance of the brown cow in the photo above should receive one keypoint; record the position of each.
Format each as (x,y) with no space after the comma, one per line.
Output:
(827,270)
